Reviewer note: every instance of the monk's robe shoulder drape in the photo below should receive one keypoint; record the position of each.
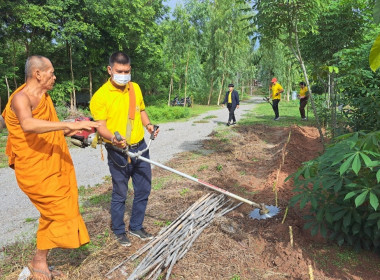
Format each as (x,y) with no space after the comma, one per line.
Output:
(45,173)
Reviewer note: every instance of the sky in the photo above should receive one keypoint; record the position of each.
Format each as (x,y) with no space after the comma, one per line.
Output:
(172,3)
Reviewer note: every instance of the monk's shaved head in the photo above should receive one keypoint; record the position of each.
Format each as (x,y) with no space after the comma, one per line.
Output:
(35,62)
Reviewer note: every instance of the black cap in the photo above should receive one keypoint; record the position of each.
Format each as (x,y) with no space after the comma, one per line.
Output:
(231,85)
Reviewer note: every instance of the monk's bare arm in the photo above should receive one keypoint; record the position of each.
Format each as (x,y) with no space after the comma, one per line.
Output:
(22,108)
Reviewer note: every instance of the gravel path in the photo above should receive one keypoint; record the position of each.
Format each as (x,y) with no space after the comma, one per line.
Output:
(19,218)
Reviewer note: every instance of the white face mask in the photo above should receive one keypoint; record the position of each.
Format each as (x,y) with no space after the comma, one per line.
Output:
(121,79)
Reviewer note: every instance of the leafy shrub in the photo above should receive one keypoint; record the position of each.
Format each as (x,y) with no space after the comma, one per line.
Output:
(62,112)
(158,114)
(342,190)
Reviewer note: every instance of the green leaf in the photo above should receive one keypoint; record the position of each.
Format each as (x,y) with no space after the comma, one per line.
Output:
(378,176)
(347,220)
(315,230)
(349,195)
(374,55)
(356,229)
(373,200)
(323,230)
(368,162)
(376,12)
(356,164)
(373,216)
(309,225)
(359,200)
(343,168)
(339,215)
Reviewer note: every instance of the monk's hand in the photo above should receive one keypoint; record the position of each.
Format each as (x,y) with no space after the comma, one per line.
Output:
(237,106)
(70,133)
(86,125)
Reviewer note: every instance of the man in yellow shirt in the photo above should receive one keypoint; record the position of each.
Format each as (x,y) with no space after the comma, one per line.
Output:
(276,97)
(118,105)
(303,96)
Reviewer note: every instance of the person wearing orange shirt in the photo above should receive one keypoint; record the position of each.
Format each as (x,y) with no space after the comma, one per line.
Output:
(276,90)
(37,151)
(303,96)
(118,105)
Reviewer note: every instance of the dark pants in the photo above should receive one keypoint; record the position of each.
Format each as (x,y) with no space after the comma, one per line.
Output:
(275,107)
(141,174)
(303,103)
(231,115)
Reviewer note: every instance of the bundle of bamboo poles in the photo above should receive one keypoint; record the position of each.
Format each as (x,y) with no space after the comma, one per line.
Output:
(173,242)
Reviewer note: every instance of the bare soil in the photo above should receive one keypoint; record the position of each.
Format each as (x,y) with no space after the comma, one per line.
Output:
(251,162)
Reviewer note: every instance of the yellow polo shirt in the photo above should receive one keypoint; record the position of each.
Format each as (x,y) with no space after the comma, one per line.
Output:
(229,97)
(111,104)
(275,89)
(303,91)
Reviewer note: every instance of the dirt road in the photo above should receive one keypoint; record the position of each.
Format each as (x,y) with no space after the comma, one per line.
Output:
(19,218)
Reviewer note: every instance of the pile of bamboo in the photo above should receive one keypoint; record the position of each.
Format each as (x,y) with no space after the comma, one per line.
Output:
(173,242)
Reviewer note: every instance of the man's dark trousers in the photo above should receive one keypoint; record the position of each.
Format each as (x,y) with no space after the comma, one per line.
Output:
(303,103)
(275,107)
(141,174)
(231,111)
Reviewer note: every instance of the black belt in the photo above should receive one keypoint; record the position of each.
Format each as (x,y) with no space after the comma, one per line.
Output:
(135,146)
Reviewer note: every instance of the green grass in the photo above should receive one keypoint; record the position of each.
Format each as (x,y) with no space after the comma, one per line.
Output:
(159,182)
(3,143)
(210,117)
(289,115)
(164,114)
(203,167)
(30,220)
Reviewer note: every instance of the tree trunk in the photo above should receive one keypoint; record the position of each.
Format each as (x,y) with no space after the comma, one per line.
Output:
(90,80)
(288,82)
(297,53)
(211,90)
(8,90)
(333,106)
(221,89)
(187,67)
(171,84)
(73,101)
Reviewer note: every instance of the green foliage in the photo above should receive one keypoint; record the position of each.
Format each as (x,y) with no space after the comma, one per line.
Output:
(158,114)
(342,188)
(359,87)
(374,55)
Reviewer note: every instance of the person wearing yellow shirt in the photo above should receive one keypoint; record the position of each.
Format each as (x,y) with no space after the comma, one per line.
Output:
(303,96)
(232,100)
(118,105)
(276,90)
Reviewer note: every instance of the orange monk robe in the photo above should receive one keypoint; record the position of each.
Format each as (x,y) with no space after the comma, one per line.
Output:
(45,173)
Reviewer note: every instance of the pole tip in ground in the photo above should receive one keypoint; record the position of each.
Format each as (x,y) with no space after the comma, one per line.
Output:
(256,214)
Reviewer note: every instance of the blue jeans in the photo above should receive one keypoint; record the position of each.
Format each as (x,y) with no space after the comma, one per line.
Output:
(141,174)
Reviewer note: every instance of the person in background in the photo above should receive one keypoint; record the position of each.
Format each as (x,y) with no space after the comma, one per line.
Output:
(303,96)
(118,105)
(232,100)
(37,151)
(276,97)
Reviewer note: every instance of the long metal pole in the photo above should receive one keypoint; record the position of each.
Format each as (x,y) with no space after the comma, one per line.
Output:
(208,185)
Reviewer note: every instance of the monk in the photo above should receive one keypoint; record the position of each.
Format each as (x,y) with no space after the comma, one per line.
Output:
(38,152)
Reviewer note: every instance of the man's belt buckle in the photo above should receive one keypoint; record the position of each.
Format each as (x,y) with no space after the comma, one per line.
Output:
(135,146)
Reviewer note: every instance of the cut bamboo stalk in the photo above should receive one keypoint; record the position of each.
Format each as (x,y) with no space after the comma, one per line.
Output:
(286,212)
(291,236)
